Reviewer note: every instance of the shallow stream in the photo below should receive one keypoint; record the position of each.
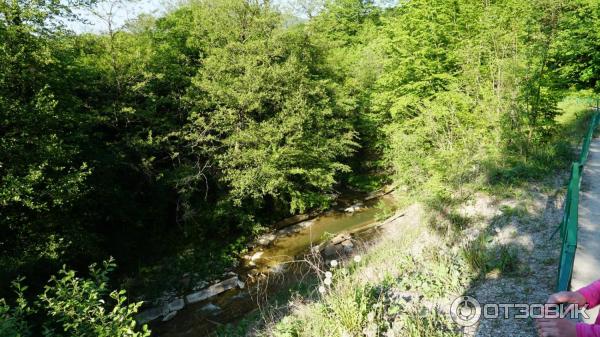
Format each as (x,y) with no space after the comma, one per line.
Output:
(269,271)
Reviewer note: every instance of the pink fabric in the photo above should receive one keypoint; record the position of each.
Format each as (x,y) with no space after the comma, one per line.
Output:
(588,330)
(592,298)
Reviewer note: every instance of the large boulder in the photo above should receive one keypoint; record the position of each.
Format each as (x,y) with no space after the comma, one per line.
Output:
(266,239)
(355,207)
(256,256)
(340,238)
(347,247)
(332,251)
(340,245)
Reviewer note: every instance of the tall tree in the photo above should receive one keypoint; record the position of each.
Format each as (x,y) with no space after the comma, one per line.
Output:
(41,172)
(270,126)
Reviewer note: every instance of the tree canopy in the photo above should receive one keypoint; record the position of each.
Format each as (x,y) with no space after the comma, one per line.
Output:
(170,142)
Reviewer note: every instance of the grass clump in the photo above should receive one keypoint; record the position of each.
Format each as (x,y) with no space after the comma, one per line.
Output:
(483,256)
(389,291)
(431,324)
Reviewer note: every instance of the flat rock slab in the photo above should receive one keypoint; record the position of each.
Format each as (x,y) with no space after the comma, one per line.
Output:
(149,315)
(293,229)
(176,304)
(213,290)
(294,220)
(586,268)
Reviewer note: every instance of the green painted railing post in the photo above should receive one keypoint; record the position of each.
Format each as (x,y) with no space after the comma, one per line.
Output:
(569,230)
(570,221)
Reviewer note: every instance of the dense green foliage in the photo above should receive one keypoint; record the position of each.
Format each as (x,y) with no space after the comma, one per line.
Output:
(73,306)
(170,142)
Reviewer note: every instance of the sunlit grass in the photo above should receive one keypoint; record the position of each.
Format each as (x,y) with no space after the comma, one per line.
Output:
(357,300)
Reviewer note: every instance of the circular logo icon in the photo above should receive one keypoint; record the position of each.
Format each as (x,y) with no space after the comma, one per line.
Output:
(465,311)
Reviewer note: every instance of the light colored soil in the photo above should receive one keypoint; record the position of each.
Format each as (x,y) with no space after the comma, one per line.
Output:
(528,232)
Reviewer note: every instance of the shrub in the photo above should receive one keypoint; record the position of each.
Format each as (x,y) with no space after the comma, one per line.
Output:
(74,306)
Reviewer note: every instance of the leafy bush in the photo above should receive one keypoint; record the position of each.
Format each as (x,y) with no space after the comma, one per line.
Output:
(73,306)
(13,321)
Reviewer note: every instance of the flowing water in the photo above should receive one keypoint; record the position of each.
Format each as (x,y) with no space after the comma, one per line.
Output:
(286,247)
(202,318)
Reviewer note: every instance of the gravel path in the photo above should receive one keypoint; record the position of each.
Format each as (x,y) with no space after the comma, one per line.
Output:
(526,226)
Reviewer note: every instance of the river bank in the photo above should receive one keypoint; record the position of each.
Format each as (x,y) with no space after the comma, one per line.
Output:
(406,280)
(410,262)
(332,234)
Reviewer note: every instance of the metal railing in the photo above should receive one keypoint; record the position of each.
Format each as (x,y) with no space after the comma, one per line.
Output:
(570,222)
